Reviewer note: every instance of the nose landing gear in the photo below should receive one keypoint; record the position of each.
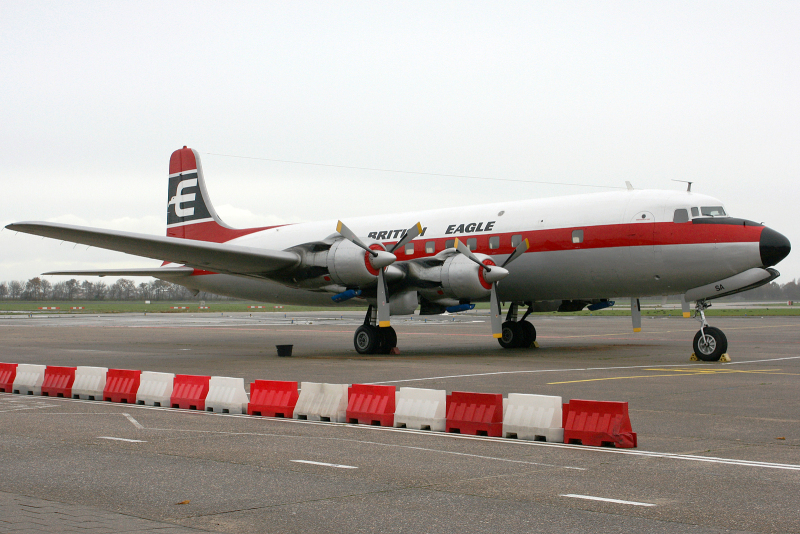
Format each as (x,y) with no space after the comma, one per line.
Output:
(709,343)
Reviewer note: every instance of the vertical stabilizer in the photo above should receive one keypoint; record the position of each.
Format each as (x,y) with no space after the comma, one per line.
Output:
(190,214)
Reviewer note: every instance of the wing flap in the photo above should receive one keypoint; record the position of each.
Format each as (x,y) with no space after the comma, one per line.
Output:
(217,257)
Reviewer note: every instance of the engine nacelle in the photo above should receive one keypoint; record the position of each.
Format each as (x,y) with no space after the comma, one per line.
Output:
(350,266)
(463,279)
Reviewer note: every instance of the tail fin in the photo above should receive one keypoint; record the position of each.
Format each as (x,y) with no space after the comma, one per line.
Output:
(190,214)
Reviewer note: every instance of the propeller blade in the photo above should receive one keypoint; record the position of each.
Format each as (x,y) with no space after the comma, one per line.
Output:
(348,234)
(636,315)
(383,300)
(519,251)
(411,233)
(496,314)
(464,249)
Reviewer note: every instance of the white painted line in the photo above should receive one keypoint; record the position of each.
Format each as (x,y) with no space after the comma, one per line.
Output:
(134,421)
(616,501)
(122,439)
(339,466)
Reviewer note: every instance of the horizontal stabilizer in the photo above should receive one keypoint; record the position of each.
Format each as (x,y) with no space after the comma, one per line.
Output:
(159,272)
(217,257)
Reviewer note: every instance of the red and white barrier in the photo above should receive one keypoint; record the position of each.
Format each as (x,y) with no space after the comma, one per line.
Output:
(421,409)
(8,372)
(226,395)
(322,402)
(476,414)
(89,383)
(598,424)
(189,392)
(121,385)
(273,398)
(49,308)
(28,380)
(533,417)
(371,405)
(155,389)
(58,381)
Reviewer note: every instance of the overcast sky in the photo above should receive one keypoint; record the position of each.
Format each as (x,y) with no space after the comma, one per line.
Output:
(97,95)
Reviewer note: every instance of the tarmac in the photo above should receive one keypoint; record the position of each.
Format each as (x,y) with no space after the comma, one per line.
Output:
(718,443)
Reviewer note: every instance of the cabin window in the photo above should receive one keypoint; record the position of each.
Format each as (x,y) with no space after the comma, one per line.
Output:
(410,249)
(712,211)
(472,243)
(516,240)
(494,242)
(681,216)
(450,243)
(430,247)
(577,236)
(695,212)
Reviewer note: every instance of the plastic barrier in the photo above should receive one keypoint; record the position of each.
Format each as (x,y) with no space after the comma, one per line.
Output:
(155,389)
(58,381)
(273,398)
(189,392)
(371,405)
(476,414)
(322,402)
(533,417)
(8,372)
(421,409)
(226,395)
(598,423)
(121,385)
(28,380)
(89,383)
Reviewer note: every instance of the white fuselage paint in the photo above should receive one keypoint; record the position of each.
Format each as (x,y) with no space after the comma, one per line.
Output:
(617,270)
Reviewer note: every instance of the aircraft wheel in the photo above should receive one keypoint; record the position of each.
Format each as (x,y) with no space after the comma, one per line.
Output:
(388,339)
(528,334)
(367,339)
(512,335)
(714,345)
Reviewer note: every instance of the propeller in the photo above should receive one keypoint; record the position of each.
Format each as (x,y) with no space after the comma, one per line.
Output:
(379,260)
(493,274)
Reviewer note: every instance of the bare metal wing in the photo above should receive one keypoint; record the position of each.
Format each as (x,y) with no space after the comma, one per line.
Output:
(217,257)
(159,272)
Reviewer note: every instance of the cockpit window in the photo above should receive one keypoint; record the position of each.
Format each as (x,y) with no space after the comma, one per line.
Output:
(681,216)
(695,212)
(712,211)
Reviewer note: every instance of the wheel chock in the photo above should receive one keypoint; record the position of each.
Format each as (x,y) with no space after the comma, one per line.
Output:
(394,351)
(535,344)
(725,358)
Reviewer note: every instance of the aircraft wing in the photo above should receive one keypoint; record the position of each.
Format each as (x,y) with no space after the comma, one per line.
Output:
(159,272)
(216,257)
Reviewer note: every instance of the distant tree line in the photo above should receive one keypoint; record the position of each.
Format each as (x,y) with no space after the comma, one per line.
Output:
(123,289)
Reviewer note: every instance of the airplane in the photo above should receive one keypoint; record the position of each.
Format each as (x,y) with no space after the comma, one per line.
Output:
(564,253)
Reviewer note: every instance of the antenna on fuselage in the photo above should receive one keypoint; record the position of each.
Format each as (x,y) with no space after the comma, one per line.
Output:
(688,189)
(628,185)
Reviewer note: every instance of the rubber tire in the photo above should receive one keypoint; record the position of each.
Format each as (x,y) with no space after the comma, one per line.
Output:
(388,339)
(367,339)
(528,334)
(512,335)
(720,342)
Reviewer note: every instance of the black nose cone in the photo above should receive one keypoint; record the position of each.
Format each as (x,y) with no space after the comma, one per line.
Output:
(773,246)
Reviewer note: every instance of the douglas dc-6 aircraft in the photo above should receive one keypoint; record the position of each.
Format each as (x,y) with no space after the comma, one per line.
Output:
(562,254)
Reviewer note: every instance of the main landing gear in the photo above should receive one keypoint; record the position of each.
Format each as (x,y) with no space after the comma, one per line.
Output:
(517,334)
(371,339)
(709,343)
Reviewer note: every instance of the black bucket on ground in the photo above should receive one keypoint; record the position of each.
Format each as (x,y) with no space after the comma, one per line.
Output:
(284,350)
